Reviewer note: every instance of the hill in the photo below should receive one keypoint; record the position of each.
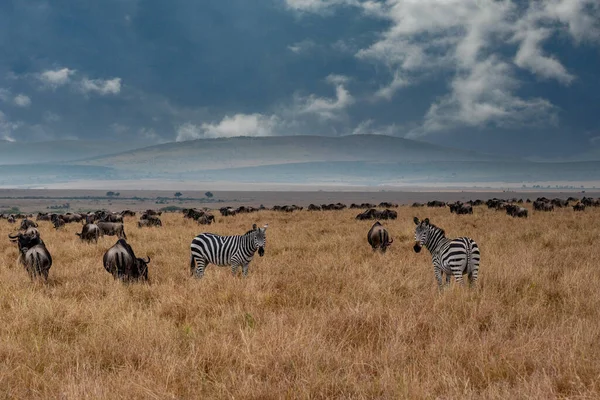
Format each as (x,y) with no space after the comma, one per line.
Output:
(223,153)
(12,153)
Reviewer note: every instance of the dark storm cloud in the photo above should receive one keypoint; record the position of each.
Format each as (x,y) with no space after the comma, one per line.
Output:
(156,71)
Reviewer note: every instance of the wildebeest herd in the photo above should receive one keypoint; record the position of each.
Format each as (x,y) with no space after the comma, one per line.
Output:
(451,257)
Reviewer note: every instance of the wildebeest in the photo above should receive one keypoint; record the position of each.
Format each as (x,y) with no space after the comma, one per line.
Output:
(415,204)
(11,219)
(112,229)
(579,207)
(121,262)
(206,219)
(516,211)
(227,211)
(378,237)
(436,203)
(541,205)
(128,213)
(460,208)
(314,207)
(89,233)
(376,214)
(33,254)
(387,204)
(151,220)
(27,223)
(58,222)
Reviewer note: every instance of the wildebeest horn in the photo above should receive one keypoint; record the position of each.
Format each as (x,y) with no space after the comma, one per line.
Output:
(391,240)
(13,237)
(148,260)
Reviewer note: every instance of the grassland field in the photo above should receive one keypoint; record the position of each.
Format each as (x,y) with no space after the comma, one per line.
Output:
(319,316)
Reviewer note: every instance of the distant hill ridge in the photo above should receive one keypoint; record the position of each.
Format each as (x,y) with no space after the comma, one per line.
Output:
(207,154)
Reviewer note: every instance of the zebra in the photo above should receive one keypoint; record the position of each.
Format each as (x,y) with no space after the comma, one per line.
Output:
(450,256)
(231,251)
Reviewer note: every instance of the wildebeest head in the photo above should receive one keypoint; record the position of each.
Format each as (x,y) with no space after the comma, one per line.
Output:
(26,240)
(141,266)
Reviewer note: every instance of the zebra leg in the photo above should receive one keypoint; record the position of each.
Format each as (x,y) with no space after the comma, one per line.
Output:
(458,276)
(200,265)
(438,276)
(245,269)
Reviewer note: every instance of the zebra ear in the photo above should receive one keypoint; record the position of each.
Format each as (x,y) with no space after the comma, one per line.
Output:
(426,221)
(416,220)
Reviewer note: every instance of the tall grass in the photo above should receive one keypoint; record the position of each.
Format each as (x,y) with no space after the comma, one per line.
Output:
(319,316)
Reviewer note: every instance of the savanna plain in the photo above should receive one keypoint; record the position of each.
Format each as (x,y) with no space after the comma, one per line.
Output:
(319,316)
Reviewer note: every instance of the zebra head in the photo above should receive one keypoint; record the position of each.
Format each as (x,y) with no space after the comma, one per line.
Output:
(260,239)
(421,233)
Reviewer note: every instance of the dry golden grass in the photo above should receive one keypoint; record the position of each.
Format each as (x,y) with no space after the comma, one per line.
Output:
(320,316)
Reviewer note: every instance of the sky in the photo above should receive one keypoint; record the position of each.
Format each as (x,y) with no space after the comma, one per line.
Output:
(511,77)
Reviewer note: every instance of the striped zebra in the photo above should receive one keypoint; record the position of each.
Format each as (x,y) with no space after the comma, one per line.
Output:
(450,256)
(231,251)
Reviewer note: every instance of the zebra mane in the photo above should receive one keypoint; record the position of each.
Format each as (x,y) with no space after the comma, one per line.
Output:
(437,228)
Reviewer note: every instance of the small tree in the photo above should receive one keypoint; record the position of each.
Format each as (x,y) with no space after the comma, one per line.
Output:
(117,194)
(208,194)
(110,194)
(178,194)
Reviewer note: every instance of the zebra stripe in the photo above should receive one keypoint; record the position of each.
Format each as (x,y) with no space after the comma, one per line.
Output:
(234,251)
(452,257)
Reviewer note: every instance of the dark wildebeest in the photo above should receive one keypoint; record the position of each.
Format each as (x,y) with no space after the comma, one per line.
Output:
(415,204)
(121,262)
(379,238)
(68,218)
(387,204)
(89,233)
(150,220)
(128,213)
(112,218)
(58,222)
(460,208)
(436,203)
(227,211)
(206,219)
(314,207)
(11,219)
(516,211)
(27,223)
(579,207)
(33,254)
(112,229)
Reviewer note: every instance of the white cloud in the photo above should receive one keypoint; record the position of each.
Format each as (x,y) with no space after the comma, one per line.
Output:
(4,94)
(459,38)
(318,6)
(101,86)
(7,128)
(51,117)
(387,92)
(482,96)
(328,108)
(302,47)
(236,125)
(56,78)
(22,101)
(367,127)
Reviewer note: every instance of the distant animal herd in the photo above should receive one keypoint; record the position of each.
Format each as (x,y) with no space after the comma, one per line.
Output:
(450,257)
